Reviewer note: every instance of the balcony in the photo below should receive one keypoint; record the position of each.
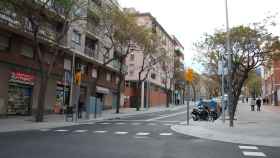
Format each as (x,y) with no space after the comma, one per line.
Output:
(91,52)
(10,19)
(116,66)
(52,6)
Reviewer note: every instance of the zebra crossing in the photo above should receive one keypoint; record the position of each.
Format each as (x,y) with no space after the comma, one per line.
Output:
(99,132)
(251,151)
(106,129)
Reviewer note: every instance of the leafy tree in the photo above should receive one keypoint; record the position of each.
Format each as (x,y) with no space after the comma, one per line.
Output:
(254,83)
(33,16)
(251,46)
(122,34)
(167,70)
(152,55)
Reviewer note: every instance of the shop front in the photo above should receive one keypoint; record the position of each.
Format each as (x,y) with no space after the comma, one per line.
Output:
(62,94)
(102,95)
(20,90)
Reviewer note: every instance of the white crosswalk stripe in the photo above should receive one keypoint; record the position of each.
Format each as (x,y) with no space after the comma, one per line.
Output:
(44,130)
(142,133)
(121,133)
(166,134)
(61,130)
(248,147)
(167,124)
(136,123)
(100,131)
(80,131)
(255,154)
(120,123)
(151,124)
(105,123)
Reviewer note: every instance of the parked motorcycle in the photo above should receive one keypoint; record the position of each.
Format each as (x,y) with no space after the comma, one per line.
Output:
(200,113)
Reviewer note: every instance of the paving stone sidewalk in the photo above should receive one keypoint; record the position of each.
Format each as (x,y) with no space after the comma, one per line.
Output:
(22,123)
(251,127)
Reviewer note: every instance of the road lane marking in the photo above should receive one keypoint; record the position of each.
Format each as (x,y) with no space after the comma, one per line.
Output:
(100,131)
(61,130)
(80,131)
(248,147)
(166,116)
(121,133)
(136,123)
(152,124)
(142,134)
(166,134)
(256,154)
(105,123)
(44,130)
(120,123)
(167,124)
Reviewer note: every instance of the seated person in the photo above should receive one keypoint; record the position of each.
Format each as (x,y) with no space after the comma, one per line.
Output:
(213,105)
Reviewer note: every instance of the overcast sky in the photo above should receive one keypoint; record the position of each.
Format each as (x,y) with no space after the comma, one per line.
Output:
(189,19)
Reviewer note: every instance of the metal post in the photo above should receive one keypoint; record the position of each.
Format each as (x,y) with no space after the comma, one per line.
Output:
(229,61)
(72,81)
(223,92)
(188,105)
(142,95)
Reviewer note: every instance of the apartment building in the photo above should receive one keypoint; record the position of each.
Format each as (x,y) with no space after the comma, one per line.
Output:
(271,82)
(159,79)
(178,69)
(19,70)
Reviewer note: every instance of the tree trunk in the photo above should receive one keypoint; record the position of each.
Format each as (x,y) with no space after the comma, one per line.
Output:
(138,95)
(39,116)
(119,93)
(194,92)
(184,92)
(167,97)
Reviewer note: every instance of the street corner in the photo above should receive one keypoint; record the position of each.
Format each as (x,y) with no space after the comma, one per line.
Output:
(216,134)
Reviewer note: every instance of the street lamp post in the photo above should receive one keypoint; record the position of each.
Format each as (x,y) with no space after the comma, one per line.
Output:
(229,63)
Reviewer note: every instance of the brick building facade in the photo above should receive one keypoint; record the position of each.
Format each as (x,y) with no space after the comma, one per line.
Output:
(271,82)
(19,69)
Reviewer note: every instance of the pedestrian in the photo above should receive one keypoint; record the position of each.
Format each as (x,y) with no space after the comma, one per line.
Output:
(259,103)
(253,102)
(246,99)
(80,109)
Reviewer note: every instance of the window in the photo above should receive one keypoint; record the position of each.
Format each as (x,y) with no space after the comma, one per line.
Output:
(153,76)
(94,73)
(132,57)
(78,11)
(131,72)
(97,2)
(76,37)
(117,80)
(27,51)
(108,77)
(4,43)
(126,83)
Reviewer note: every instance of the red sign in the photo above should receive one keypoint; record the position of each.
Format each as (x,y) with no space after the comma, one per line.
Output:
(22,77)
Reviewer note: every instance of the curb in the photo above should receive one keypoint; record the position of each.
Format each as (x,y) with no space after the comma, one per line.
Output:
(204,133)
(67,124)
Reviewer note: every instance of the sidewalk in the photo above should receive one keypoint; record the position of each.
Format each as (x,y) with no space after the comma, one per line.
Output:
(251,127)
(22,123)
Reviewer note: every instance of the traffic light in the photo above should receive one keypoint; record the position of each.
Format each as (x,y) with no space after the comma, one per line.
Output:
(189,75)
(78,78)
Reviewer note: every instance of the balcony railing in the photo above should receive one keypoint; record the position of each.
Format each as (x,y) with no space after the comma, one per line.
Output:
(116,65)
(8,18)
(52,6)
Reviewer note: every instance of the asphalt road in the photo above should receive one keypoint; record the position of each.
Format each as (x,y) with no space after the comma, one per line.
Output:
(144,136)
